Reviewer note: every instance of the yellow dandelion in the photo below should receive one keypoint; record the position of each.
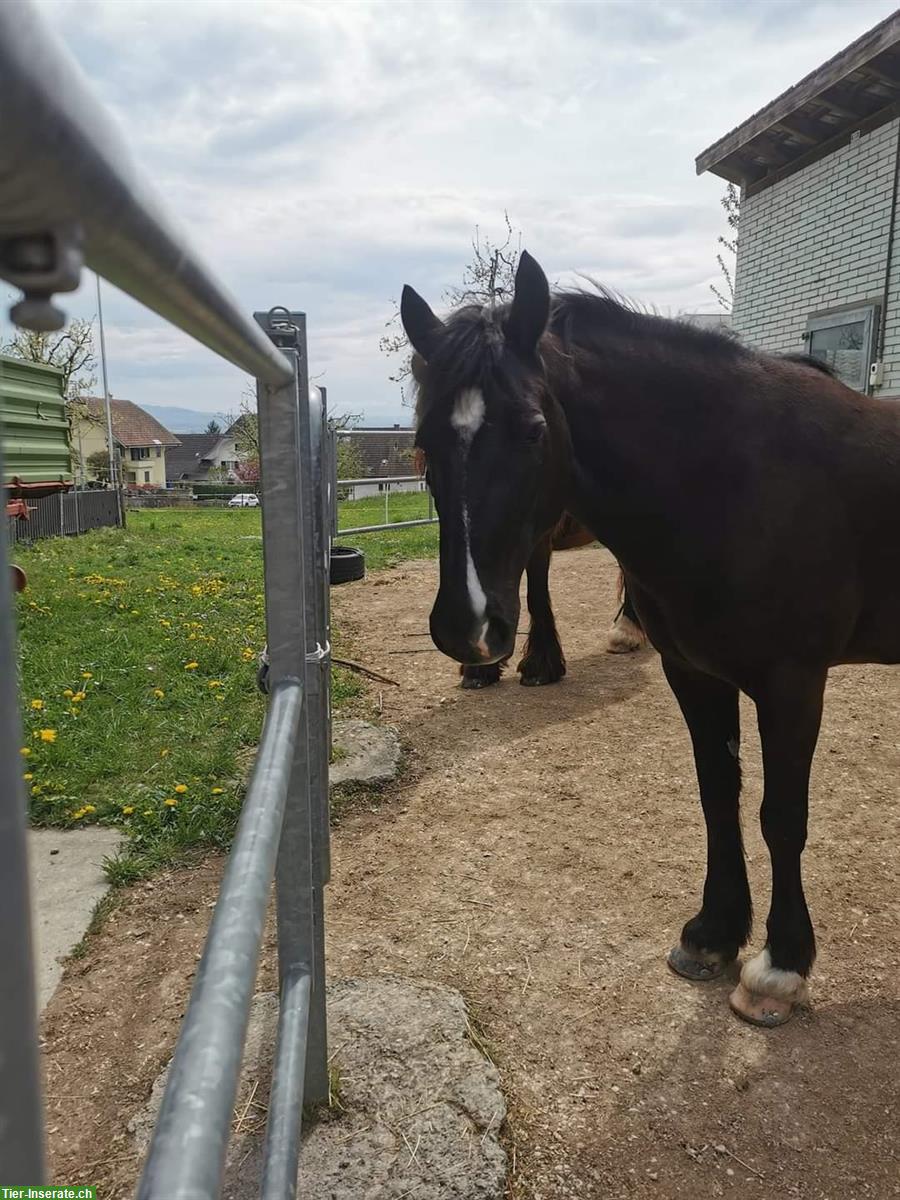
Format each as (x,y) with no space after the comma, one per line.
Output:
(68,693)
(180,788)
(166,624)
(148,812)
(36,790)
(89,808)
(78,814)
(86,675)
(215,683)
(247,654)
(191,666)
(127,809)
(25,751)
(78,697)
(164,753)
(47,735)
(158,693)
(218,791)
(37,705)
(170,802)
(28,775)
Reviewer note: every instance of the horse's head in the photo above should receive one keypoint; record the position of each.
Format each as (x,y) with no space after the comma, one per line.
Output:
(494,443)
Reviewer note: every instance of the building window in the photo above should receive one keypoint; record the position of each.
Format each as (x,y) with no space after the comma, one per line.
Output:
(845,342)
(159,451)
(146,477)
(139,452)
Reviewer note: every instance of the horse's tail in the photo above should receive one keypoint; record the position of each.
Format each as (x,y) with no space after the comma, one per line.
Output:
(626,633)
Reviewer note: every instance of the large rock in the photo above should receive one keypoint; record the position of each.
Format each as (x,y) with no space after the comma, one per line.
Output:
(421,1106)
(369,753)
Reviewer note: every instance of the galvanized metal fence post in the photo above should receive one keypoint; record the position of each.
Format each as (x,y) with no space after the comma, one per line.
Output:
(21,1136)
(297,643)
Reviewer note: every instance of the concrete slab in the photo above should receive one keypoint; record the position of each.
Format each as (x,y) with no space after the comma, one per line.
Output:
(421,1108)
(67,881)
(369,753)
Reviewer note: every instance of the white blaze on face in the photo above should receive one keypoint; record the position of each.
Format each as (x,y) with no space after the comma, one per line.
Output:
(467,418)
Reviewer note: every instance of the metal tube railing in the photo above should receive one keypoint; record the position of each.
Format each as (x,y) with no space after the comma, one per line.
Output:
(187,1152)
(66,172)
(356,529)
(21,1135)
(386,479)
(66,181)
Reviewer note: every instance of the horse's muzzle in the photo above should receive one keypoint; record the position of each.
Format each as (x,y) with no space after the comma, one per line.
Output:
(489,641)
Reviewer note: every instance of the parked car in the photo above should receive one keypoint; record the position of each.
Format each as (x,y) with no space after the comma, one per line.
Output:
(244,500)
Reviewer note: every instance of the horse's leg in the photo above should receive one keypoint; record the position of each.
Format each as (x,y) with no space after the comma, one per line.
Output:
(789,711)
(626,633)
(542,660)
(711,940)
(482,677)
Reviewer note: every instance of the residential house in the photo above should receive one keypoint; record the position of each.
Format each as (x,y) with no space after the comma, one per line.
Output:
(817,267)
(385,453)
(203,458)
(140,441)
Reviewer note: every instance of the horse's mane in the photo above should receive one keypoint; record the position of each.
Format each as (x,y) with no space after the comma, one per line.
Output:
(807,360)
(584,318)
(470,351)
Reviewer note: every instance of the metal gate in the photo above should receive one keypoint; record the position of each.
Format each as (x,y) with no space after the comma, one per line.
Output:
(69,193)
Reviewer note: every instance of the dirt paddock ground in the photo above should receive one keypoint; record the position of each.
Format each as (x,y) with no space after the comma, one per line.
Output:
(541,853)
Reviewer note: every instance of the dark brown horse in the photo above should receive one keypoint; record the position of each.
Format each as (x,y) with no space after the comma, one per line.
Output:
(754,505)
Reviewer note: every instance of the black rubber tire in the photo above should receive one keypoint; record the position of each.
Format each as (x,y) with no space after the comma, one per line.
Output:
(262,678)
(347,564)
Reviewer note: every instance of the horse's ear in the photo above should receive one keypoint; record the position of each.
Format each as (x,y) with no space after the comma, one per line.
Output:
(530,309)
(419,322)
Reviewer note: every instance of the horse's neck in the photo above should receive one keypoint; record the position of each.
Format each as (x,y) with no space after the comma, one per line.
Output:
(637,440)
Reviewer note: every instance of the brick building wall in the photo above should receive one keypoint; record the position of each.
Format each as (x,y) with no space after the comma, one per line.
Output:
(817,241)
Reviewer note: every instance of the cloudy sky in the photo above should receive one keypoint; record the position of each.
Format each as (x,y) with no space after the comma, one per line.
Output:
(322,154)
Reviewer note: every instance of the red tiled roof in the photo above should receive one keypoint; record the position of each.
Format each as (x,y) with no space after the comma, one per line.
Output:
(131,425)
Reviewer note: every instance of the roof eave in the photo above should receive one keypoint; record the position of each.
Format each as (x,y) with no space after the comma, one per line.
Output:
(731,157)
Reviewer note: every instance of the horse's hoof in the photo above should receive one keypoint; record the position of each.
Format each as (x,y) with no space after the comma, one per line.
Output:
(697,965)
(539,675)
(766,1011)
(480,677)
(625,637)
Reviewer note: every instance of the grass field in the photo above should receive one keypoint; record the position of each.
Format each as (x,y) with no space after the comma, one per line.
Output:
(137,656)
(386,549)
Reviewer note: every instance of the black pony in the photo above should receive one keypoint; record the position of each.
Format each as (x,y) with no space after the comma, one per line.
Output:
(754,505)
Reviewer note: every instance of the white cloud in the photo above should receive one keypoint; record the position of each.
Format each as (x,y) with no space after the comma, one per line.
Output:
(322,155)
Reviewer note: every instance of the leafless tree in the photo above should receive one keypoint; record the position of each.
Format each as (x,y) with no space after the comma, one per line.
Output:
(245,430)
(488,279)
(731,202)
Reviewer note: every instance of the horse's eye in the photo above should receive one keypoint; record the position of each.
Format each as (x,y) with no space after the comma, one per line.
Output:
(535,431)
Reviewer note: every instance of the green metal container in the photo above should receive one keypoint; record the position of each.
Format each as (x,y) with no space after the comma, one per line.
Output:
(34,427)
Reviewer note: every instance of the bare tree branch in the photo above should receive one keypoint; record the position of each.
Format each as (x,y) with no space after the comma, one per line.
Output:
(731,202)
(488,279)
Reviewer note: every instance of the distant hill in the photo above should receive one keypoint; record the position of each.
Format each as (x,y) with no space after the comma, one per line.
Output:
(184,420)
